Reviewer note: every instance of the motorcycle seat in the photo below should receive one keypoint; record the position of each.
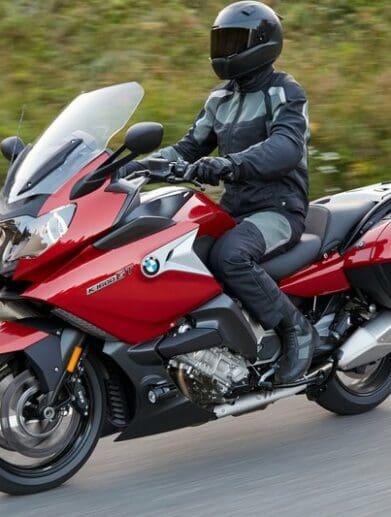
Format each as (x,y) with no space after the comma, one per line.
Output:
(332,220)
(303,254)
(328,224)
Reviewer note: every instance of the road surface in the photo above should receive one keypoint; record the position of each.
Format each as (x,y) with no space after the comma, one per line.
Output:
(294,459)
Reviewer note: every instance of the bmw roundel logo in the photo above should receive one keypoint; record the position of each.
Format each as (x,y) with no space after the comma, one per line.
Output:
(150,266)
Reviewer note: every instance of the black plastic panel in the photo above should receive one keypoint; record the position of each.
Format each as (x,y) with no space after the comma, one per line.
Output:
(269,348)
(28,206)
(50,165)
(14,169)
(190,341)
(132,231)
(225,316)
(166,415)
(46,361)
(374,281)
(202,246)
(164,202)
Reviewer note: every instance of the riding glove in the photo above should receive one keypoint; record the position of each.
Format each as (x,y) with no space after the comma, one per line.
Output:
(212,169)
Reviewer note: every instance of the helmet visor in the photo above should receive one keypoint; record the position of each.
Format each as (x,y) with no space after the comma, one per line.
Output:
(227,42)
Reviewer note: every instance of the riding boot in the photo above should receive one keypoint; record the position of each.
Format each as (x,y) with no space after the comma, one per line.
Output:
(299,340)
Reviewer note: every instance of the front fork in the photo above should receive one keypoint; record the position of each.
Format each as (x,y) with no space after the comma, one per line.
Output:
(54,355)
(56,360)
(71,379)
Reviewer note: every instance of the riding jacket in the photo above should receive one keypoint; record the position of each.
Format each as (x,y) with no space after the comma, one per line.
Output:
(261,125)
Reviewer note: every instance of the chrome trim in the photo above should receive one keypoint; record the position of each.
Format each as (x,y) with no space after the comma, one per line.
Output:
(255,401)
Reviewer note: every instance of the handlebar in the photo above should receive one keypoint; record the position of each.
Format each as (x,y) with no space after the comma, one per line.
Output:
(173,172)
(183,170)
(182,173)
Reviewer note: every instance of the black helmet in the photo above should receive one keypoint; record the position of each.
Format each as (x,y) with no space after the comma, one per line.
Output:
(245,37)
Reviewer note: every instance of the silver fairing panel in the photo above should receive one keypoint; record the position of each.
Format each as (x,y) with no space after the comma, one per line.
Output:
(178,255)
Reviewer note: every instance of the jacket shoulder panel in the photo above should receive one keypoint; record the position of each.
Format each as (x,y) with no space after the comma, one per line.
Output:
(283,89)
(215,95)
(292,88)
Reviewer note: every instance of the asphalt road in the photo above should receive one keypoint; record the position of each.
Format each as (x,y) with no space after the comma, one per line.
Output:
(294,459)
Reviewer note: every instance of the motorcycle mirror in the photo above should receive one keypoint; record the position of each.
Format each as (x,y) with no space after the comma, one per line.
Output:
(11,147)
(141,138)
(144,137)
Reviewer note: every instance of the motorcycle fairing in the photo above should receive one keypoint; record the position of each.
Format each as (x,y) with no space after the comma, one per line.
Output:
(87,224)
(15,336)
(331,275)
(137,307)
(171,413)
(46,353)
(212,220)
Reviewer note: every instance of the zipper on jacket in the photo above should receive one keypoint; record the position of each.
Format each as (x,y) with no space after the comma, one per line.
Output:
(236,200)
(235,119)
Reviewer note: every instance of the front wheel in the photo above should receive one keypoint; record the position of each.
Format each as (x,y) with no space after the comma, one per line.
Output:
(359,390)
(38,453)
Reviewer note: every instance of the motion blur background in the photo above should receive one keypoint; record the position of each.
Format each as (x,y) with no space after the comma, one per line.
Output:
(51,50)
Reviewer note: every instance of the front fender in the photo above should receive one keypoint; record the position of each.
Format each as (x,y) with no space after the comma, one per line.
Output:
(46,354)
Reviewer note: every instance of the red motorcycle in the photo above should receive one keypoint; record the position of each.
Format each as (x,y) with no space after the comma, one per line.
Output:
(112,322)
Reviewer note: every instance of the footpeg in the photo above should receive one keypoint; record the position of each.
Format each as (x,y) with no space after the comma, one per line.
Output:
(265,384)
(161,392)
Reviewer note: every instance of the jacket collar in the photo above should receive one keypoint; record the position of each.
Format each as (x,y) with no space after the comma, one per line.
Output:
(254,81)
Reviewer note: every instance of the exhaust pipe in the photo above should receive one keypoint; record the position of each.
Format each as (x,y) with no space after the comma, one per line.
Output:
(259,400)
(255,401)
(369,343)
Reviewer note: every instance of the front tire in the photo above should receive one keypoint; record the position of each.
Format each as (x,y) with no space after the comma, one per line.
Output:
(359,390)
(20,472)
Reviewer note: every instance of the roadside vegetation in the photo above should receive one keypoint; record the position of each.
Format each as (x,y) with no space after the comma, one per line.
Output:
(338,49)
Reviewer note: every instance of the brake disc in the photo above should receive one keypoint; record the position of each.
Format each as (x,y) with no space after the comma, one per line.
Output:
(5,380)
(26,433)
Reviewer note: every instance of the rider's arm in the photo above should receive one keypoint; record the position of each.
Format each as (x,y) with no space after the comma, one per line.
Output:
(286,146)
(199,141)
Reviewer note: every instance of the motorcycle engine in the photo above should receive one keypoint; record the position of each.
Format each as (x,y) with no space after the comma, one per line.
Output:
(209,376)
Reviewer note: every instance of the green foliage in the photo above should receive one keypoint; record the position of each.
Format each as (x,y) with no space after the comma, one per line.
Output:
(338,49)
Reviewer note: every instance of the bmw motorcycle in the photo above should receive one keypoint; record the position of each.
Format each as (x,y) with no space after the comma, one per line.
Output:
(111,322)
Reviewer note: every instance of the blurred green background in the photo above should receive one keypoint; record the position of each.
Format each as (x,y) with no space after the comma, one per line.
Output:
(338,49)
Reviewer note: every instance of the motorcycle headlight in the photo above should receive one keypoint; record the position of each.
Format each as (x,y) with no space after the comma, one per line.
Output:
(27,236)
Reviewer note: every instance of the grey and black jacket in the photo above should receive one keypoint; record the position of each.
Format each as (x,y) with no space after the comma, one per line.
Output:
(261,125)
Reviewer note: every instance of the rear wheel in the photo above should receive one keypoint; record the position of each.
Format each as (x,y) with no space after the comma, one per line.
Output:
(41,451)
(359,390)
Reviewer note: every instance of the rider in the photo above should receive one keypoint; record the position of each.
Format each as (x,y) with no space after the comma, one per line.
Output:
(258,119)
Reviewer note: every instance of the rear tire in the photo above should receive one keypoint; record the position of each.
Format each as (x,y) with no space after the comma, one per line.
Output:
(359,390)
(18,479)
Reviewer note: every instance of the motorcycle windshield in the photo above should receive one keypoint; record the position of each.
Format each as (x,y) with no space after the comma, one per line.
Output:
(79,134)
